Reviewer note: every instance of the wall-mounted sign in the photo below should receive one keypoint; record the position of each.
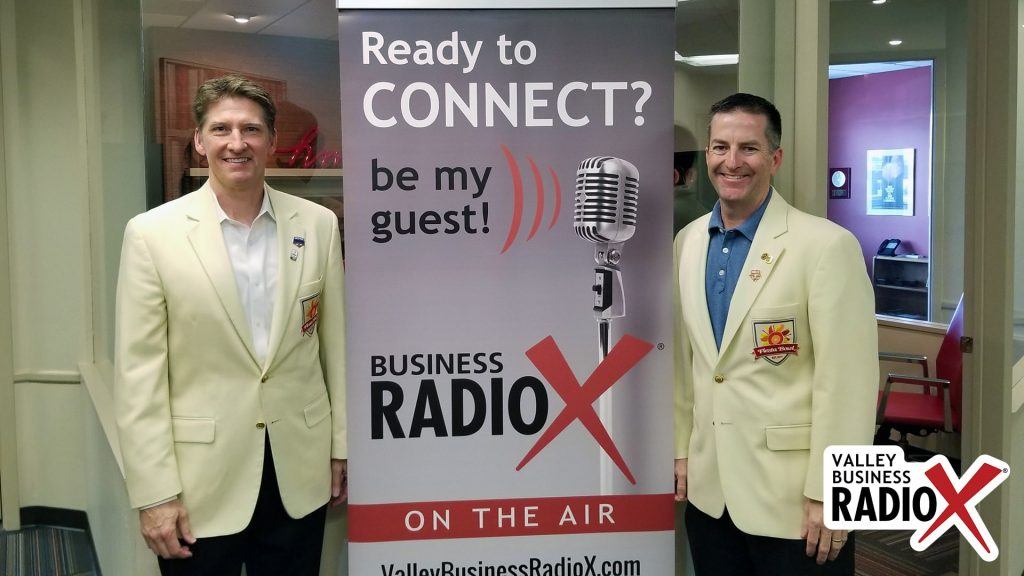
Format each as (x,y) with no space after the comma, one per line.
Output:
(839,183)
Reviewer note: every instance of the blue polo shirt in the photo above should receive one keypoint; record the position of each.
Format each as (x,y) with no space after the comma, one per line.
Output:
(727,251)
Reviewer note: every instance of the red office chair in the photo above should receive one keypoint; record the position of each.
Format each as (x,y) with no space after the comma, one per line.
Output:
(936,408)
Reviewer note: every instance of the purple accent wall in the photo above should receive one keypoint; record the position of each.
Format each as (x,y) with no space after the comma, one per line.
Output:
(881,111)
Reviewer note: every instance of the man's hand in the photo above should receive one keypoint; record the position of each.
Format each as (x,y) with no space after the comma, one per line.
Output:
(163,526)
(681,480)
(821,542)
(339,481)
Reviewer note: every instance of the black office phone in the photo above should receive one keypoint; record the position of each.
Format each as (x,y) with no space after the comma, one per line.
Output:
(888,247)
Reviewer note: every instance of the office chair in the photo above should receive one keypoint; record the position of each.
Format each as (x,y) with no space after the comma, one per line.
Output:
(937,407)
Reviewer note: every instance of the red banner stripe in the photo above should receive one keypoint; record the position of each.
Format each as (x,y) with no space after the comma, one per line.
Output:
(510,517)
(776,350)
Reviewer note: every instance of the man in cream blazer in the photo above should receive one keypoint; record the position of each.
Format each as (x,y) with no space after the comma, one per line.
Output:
(230,384)
(776,360)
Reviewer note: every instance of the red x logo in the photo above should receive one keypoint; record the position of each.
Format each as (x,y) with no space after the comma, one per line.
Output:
(546,356)
(956,502)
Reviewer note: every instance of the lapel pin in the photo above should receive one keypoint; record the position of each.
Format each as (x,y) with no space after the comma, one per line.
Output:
(299,242)
(766,257)
(755,275)
(294,254)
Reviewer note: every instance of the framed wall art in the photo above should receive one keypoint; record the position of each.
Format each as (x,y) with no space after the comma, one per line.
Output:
(890,182)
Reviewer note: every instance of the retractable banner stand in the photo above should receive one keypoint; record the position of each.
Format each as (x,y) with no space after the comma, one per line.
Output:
(508,244)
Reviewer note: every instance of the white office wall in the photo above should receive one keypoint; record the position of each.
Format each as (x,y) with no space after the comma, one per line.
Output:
(113,68)
(46,217)
(1015,548)
(114,524)
(948,235)
(50,445)
(695,91)
(1016,457)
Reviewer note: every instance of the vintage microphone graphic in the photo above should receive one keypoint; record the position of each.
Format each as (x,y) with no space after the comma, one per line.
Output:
(605,214)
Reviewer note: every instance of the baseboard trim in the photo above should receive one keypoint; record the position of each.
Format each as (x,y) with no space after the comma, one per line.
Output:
(54,517)
(61,518)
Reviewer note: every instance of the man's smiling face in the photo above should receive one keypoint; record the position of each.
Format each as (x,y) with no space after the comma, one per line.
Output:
(740,160)
(237,144)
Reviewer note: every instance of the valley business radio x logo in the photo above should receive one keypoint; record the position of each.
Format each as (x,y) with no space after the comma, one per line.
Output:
(873,487)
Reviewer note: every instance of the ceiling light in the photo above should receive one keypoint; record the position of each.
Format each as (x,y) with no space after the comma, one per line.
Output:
(241,19)
(878,1)
(895,42)
(709,60)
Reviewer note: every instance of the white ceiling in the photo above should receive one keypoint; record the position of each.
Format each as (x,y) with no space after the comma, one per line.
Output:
(702,26)
(302,18)
(847,70)
(708,27)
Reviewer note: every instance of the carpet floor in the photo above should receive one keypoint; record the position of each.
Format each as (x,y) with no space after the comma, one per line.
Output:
(46,551)
(888,553)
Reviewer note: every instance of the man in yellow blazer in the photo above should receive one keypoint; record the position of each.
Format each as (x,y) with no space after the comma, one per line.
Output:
(776,360)
(230,372)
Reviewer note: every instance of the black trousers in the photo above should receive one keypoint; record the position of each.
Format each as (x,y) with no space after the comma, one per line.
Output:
(273,544)
(719,548)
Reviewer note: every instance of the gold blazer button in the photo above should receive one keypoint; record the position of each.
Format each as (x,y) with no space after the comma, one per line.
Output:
(719,378)
(260,425)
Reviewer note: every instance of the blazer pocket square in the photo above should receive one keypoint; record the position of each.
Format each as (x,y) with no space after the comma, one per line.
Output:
(794,437)
(201,430)
(317,411)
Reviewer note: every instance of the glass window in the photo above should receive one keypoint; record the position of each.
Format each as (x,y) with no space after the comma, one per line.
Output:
(707,48)
(1018,252)
(897,95)
(116,103)
(289,47)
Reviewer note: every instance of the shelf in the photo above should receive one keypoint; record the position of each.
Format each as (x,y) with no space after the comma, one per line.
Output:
(902,259)
(282,172)
(907,288)
(901,289)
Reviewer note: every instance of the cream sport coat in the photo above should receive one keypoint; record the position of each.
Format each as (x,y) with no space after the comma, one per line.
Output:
(192,402)
(797,370)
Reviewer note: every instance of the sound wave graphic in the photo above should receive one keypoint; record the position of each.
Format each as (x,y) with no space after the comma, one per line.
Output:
(518,199)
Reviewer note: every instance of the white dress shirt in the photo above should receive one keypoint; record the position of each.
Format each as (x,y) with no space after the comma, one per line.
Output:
(254,257)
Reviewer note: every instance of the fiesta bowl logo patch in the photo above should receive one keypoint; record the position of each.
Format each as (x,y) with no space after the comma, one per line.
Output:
(775,340)
(310,313)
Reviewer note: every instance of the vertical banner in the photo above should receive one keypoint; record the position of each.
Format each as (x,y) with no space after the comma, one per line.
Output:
(508,194)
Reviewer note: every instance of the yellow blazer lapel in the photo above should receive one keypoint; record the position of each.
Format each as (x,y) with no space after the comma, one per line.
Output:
(208,243)
(289,226)
(765,252)
(695,264)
